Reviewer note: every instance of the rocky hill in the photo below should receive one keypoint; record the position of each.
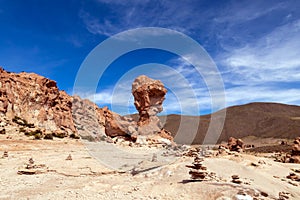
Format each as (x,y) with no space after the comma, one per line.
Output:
(35,102)
(254,119)
(34,105)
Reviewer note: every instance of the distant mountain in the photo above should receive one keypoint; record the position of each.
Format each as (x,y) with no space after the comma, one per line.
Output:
(254,119)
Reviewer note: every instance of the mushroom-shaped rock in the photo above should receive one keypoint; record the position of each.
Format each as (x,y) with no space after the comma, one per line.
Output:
(148,95)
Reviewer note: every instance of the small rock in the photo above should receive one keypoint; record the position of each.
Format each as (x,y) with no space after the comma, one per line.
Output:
(264,194)
(293,183)
(237,181)
(2,131)
(31,161)
(69,157)
(261,162)
(154,158)
(235,177)
(5,154)
(283,195)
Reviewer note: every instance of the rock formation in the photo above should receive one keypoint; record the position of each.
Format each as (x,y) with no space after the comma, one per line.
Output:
(116,125)
(235,144)
(295,155)
(36,101)
(236,179)
(198,171)
(88,118)
(36,106)
(148,95)
(293,177)
(5,154)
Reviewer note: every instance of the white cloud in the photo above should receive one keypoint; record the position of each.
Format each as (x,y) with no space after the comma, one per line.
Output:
(95,26)
(134,14)
(246,94)
(254,56)
(184,95)
(242,11)
(272,58)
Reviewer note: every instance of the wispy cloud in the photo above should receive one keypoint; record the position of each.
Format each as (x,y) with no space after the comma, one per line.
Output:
(239,12)
(272,58)
(133,14)
(246,94)
(256,47)
(265,70)
(183,97)
(95,26)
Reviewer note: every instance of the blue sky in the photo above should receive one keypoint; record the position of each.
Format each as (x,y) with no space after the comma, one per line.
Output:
(255,45)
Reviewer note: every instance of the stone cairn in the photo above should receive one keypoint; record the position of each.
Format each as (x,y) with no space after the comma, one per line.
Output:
(236,179)
(69,157)
(31,168)
(198,171)
(5,154)
(30,164)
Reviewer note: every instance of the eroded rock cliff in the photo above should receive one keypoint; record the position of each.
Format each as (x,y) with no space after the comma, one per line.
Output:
(37,102)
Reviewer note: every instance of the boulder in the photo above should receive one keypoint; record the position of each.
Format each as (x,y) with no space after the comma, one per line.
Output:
(117,125)
(295,155)
(235,144)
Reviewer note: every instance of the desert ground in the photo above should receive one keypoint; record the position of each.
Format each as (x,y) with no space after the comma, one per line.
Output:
(68,169)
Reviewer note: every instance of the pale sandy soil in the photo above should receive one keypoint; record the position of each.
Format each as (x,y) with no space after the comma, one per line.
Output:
(84,177)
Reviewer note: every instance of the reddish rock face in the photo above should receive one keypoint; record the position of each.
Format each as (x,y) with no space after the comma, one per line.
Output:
(148,95)
(116,125)
(296,147)
(295,156)
(37,100)
(235,144)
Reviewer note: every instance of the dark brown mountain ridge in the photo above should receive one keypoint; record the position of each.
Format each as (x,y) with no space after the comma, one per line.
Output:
(254,119)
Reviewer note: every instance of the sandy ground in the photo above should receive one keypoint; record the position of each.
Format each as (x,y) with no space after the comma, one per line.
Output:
(85,177)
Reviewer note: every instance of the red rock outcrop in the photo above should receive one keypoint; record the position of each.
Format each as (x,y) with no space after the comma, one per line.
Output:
(235,144)
(36,100)
(41,110)
(148,95)
(116,125)
(295,155)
